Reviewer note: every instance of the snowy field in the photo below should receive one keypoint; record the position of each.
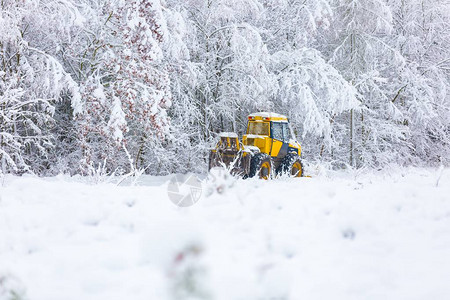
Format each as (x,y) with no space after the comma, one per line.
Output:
(334,236)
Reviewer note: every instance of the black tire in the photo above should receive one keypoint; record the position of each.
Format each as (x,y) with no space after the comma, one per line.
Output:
(261,165)
(291,166)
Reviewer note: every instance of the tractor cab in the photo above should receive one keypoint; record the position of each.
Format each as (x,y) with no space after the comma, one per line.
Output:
(271,133)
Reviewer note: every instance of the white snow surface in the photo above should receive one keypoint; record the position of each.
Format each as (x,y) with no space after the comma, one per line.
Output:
(333,236)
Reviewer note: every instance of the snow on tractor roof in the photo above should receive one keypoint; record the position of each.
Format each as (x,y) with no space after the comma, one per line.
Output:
(270,115)
(228,134)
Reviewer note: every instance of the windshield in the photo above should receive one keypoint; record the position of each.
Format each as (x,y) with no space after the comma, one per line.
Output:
(258,128)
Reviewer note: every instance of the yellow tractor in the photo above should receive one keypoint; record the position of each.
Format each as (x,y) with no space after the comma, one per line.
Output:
(268,149)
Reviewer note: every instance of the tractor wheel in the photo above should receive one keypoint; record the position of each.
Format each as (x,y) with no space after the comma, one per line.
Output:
(261,165)
(291,165)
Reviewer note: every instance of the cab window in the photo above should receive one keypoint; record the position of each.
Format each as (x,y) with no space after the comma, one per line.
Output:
(258,128)
(277,131)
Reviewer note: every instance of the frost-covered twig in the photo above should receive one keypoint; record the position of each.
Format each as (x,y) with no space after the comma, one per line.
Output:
(440,172)
(134,172)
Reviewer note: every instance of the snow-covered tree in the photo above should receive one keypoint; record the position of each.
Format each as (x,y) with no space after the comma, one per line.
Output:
(294,24)
(422,85)
(313,94)
(360,51)
(32,80)
(127,94)
(225,77)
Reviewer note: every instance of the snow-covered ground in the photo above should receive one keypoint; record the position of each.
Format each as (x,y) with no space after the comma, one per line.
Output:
(336,236)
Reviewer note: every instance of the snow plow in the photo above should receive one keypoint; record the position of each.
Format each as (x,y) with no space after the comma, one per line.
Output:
(268,149)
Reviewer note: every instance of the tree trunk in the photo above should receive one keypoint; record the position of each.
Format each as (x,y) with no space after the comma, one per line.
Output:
(351,138)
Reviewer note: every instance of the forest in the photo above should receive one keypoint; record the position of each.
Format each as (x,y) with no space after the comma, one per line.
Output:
(118,86)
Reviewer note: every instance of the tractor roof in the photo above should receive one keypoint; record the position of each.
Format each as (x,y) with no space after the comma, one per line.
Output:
(228,134)
(268,116)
